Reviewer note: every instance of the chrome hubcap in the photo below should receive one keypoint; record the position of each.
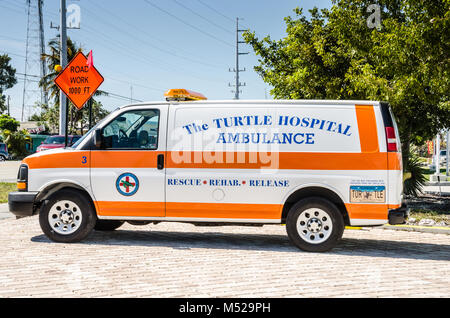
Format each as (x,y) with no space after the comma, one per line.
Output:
(314,225)
(65,217)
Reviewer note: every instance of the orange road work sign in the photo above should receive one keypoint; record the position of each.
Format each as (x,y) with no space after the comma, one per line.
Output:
(79,81)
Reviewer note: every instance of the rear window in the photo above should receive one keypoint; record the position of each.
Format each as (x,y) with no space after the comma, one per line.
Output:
(2,147)
(54,140)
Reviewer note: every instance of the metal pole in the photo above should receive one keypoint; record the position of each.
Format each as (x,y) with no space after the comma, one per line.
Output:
(44,96)
(90,113)
(26,63)
(63,61)
(438,150)
(236,95)
(66,124)
(448,153)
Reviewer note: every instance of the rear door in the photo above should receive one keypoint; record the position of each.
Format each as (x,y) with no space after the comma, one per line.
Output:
(127,174)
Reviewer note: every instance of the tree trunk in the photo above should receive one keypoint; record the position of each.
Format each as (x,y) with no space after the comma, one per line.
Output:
(406,143)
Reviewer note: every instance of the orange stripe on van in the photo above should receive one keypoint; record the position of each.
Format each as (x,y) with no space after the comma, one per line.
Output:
(367,127)
(67,159)
(130,208)
(395,161)
(368,211)
(189,210)
(95,159)
(224,210)
(283,160)
(219,160)
(124,158)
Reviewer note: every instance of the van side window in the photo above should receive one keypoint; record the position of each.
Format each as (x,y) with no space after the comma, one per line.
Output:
(135,129)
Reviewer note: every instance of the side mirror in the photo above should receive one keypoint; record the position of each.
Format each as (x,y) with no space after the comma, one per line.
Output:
(98,138)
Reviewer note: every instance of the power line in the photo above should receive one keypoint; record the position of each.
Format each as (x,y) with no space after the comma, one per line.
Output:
(219,13)
(140,40)
(11,38)
(11,9)
(9,53)
(188,24)
(139,57)
(138,29)
(121,97)
(216,11)
(204,18)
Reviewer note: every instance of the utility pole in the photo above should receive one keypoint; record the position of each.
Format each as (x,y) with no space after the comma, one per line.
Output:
(34,49)
(237,70)
(63,60)
(44,95)
(7,103)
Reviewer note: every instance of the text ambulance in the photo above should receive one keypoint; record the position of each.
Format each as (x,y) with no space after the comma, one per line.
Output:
(315,166)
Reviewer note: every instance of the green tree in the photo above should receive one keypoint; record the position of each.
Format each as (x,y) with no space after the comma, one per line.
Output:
(78,119)
(335,55)
(7,78)
(52,59)
(9,123)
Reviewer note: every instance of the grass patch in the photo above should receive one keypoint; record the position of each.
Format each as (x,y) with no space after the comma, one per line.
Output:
(5,188)
(436,216)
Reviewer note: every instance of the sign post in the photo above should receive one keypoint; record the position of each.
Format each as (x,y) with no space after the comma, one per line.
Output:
(79,81)
(63,61)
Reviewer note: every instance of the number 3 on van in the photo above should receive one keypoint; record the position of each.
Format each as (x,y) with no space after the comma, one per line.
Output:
(315,166)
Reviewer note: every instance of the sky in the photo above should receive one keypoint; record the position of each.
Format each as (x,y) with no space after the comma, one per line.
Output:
(145,47)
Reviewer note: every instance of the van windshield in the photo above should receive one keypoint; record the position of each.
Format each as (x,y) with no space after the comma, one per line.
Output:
(79,141)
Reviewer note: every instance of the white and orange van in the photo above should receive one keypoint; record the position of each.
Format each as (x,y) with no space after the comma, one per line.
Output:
(313,165)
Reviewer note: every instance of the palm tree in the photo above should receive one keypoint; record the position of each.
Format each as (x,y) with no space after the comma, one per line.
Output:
(53,59)
(51,112)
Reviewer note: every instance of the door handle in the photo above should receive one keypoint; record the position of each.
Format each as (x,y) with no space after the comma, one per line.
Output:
(160,162)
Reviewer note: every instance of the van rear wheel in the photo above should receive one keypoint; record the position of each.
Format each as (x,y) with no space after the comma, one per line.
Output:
(315,224)
(67,216)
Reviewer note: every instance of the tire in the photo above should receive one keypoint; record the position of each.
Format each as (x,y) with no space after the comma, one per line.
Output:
(68,216)
(315,225)
(107,225)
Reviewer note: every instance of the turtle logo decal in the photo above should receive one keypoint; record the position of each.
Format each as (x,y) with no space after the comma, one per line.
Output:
(127,184)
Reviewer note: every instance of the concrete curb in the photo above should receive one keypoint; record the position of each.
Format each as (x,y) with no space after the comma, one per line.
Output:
(416,228)
(435,184)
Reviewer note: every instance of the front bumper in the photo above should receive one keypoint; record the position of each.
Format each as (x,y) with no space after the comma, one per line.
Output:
(22,204)
(399,216)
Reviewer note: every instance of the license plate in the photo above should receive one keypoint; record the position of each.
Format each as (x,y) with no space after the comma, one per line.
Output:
(364,194)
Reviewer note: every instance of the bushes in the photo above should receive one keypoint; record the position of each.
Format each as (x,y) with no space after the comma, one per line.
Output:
(16,142)
(413,185)
(14,139)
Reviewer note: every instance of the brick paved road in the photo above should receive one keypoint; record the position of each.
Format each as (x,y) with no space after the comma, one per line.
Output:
(181,260)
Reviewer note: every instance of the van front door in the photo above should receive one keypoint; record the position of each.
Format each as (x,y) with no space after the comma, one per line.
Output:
(127,173)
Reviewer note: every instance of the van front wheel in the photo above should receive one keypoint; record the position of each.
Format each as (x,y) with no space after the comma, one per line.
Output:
(315,225)
(67,216)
